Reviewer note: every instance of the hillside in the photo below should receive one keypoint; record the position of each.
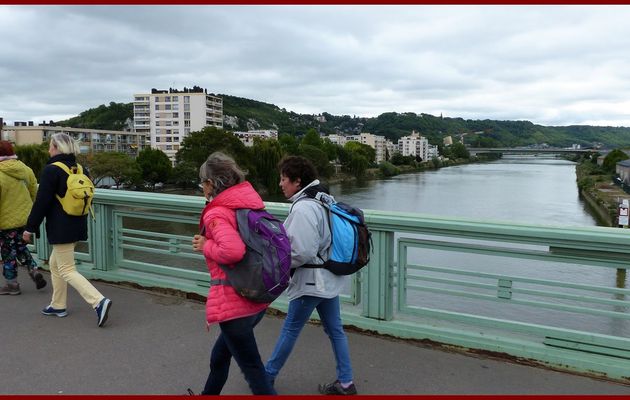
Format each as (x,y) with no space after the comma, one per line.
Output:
(245,114)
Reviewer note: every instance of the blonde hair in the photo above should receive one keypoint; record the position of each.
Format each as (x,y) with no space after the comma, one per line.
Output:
(65,144)
(222,171)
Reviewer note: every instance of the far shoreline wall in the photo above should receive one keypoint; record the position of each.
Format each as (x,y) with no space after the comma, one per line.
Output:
(600,213)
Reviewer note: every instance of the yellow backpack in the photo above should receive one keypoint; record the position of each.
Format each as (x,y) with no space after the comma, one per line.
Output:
(78,198)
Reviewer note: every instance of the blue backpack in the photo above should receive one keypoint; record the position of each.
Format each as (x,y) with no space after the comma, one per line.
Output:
(264,272)
(350,236)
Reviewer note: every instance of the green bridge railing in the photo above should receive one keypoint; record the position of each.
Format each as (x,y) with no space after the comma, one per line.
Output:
(553,296)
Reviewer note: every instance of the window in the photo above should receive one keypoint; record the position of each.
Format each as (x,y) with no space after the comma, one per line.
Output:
(175,123)
(167,99)
(175,131)
(186,107)
(186,115)
(175,115)
(186,131)
(157,106)
(157,140)
(175,98)
(176,139)
(158,131)
(187,123)
(175,106)
(186,99)
(168,131)
(167,107)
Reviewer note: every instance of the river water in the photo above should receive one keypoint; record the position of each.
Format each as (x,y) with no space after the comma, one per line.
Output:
(528,189)
(513,189)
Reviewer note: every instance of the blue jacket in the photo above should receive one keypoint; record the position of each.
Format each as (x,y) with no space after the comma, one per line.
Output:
(61,228)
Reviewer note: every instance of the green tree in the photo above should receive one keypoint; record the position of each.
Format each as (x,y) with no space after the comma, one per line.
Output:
(318,158)
(185,174)
(289,145)
(358,165)
(331,149)
(155,166)
(458,150)
(118,166)
(312,138)
(611,160)
(268,153)
(362,149)
(34,155)
(197,146)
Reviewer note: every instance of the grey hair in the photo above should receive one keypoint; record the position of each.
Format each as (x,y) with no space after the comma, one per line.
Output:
(65,144)
(222,171)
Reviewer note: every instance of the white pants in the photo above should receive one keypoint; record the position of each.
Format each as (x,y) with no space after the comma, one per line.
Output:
(63,272)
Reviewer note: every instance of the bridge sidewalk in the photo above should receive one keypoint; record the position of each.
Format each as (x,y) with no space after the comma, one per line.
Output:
(158,344)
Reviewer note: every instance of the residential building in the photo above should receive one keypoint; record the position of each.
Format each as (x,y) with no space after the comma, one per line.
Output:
(339,140)
(166,117)
(376,142)
(90,140)
(623,170)
(248,137)
(414,145)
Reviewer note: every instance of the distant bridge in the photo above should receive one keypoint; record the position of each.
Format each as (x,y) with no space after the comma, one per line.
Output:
(528,150)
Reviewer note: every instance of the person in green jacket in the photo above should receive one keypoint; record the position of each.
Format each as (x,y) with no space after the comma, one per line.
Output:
(18,187)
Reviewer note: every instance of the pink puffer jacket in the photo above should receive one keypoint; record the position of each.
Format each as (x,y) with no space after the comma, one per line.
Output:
(224,246)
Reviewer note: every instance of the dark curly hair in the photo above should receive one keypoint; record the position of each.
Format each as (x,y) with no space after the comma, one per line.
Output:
(297,167)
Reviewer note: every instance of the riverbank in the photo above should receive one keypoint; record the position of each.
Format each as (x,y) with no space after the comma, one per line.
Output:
(600,194)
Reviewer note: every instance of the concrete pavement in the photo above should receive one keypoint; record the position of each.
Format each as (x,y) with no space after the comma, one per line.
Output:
(158,344)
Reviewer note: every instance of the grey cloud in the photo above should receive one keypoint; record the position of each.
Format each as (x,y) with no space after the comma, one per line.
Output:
(547,64)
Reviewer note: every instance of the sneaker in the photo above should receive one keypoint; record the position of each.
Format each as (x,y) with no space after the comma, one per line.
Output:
(38,278)
(61,312)
(102,310)
(10,289)
(336,388)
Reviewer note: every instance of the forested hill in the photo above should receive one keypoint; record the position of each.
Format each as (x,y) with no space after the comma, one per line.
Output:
(245,114)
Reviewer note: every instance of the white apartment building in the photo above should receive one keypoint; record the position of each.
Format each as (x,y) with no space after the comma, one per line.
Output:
(378,143)
(248,137)
(168,116)
(414,145)
(339,140)
(90,140)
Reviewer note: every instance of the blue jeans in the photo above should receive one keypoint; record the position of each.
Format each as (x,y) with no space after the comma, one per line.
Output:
(237,340)
(299,312)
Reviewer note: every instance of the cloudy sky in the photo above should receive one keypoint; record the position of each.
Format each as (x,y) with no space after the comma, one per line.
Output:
(552,65)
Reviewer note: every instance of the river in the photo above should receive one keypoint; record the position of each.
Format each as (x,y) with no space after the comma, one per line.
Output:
(533,190)
(513,189)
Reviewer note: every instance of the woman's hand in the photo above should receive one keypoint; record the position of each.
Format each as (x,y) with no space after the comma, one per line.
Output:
(198,242)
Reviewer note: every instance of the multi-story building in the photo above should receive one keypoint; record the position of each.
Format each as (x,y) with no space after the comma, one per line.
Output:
(168,116)
(378,143)
(90,140)
(339,140)
(414,145)
(248,137)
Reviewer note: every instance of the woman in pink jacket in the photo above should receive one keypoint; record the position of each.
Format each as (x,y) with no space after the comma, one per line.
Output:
(226,190)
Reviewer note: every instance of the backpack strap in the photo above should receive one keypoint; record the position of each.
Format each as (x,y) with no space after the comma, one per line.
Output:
(215,282)
(78,168)
(312,195)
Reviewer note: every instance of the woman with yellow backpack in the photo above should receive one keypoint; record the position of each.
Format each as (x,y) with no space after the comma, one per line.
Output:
(64,228)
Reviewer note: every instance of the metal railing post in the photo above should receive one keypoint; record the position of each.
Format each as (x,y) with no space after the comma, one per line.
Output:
(377,281)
